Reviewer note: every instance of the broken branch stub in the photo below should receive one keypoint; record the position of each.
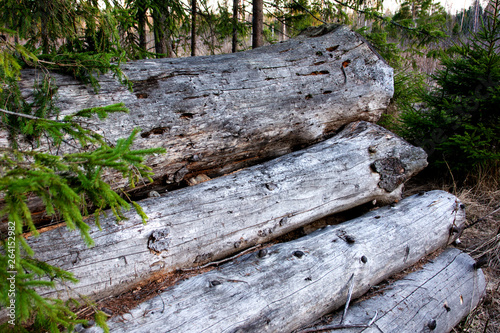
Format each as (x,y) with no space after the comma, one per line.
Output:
(220,217)
(282,291)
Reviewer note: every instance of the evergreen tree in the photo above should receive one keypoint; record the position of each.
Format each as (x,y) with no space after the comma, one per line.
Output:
(71,186)
(460,121)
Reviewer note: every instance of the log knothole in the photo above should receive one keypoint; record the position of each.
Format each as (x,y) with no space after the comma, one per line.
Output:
(141,95)
(299,254)
(77,257)
(432,324)
(446,307)
(407,253)
(271,186)
(350,239)
(187,115)
(262,253)
(214,283)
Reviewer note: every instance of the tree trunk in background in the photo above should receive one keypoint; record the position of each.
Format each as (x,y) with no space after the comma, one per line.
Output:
(160,34)
(44,32)
(257,23)
(193,28)
(141,25)
(235,26)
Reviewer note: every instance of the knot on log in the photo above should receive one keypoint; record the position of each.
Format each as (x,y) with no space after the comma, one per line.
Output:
(159,241)
(392,173)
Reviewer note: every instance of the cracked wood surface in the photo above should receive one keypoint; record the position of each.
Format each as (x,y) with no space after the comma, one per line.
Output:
(217,218)
(297,282)
(216,114)
(438,296)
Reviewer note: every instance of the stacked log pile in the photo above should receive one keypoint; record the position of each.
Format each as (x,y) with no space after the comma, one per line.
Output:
(286,285)
(215,219)
(218,114)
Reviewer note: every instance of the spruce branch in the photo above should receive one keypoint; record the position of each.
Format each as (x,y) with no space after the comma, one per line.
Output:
(374,14)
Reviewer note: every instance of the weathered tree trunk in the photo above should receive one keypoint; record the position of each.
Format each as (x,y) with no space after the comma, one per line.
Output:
(433,299)
(220,113)
(287,285)
(212,220)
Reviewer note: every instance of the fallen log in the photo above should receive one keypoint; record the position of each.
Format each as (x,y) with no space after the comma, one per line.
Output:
(435,298)
(281,288)
(216,114)
(220,217)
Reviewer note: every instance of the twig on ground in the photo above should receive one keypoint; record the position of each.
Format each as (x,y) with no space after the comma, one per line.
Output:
(482,218)
(349,295)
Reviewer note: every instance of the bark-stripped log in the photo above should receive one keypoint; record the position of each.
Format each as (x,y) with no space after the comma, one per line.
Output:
(215,219)
(219,113)
(433,299)
(297,282)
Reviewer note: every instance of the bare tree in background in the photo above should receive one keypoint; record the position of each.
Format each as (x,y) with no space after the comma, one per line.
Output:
(257,23)
(193,28)
(236,4)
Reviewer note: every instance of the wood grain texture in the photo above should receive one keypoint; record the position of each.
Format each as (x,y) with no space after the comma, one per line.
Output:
(299,281)
(439,295)
(216,114)
(222,216)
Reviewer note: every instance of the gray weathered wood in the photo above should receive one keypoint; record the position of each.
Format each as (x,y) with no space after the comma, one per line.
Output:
(216,114)
(217,218)
(439,295)
(297,282)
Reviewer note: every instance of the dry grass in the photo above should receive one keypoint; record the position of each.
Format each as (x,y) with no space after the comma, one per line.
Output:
(482,239)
